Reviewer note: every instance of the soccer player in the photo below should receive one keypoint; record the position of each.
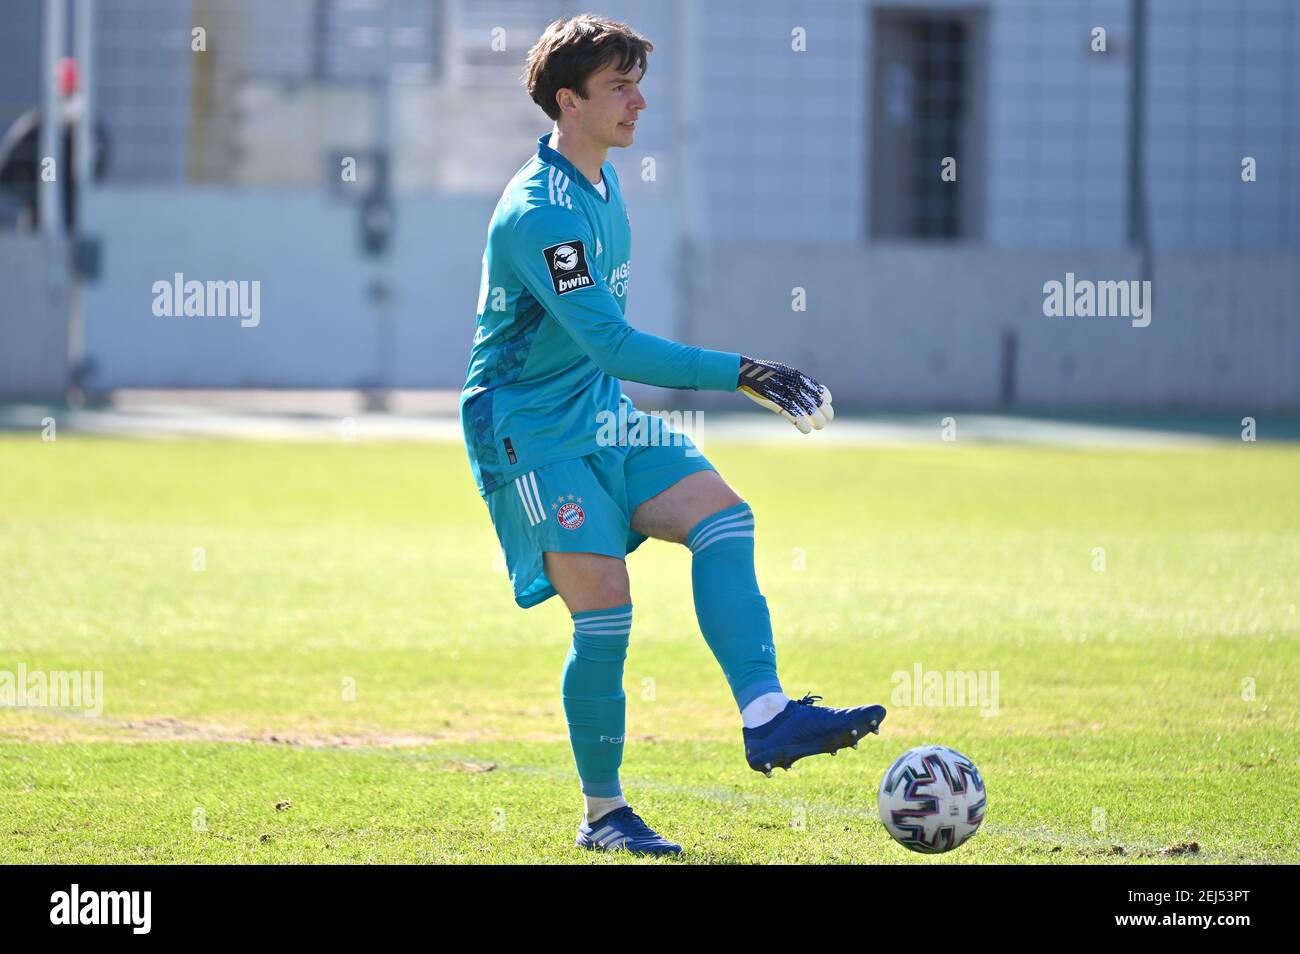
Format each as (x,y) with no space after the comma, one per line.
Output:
(568,504)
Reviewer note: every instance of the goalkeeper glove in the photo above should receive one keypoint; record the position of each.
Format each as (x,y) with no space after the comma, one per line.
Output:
(799,399)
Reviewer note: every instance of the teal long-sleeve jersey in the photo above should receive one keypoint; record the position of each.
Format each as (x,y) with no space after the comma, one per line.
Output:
(551,341)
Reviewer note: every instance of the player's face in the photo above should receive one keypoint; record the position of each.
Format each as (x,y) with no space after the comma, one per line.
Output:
(608,114)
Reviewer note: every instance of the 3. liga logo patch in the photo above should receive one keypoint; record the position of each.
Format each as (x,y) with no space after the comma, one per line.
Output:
(568,512)
(567,264)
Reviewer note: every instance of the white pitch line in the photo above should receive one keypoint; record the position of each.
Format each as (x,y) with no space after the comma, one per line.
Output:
(177,421)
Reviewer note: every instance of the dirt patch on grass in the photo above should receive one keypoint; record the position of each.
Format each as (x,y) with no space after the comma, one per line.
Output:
(173,729)
(168,729)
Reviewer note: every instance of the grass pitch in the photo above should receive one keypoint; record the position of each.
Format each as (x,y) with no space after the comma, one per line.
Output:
(310,654)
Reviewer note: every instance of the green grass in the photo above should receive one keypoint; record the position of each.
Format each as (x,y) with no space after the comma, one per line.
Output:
(331,568)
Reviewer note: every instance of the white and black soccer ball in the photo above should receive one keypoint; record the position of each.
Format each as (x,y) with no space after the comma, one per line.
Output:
(931,799)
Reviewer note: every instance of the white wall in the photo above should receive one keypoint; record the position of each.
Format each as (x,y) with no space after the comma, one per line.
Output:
(319,325)
(914,326)
(886,326)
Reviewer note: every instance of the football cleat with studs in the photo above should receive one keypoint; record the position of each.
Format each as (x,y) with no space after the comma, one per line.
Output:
(623,830)
(803,729)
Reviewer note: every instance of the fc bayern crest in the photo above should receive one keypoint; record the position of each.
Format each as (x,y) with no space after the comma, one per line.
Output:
(570,516)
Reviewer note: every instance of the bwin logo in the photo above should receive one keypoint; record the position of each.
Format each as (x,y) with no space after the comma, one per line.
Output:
(566,256)
(103,907)
(566,262)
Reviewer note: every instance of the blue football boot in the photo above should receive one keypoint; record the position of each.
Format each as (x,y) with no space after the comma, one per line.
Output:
(805,729)
(623,830)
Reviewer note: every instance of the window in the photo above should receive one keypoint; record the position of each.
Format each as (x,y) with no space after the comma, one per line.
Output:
(926,107)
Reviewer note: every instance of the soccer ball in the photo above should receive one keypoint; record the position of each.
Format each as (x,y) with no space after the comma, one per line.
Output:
(931,799)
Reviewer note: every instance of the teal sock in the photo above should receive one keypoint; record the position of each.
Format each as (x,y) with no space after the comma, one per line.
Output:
(731,611)
(594,704)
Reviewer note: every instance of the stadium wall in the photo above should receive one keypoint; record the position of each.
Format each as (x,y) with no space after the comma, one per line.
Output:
(925,326)
(330,316)
(891,326)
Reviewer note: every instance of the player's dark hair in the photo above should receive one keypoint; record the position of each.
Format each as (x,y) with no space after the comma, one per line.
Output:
(572,49)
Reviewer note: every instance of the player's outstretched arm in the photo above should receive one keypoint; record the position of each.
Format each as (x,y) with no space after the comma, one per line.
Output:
(552,254)
(800,399)
(552,259)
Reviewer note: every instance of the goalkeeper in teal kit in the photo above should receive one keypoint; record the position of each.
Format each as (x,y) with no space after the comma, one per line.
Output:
(550,347)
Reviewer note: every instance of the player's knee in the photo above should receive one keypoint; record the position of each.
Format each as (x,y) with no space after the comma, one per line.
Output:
(587,581)
(605,591)
(726,522)
(728,498)
(729,505)
(611,597)
(721,502)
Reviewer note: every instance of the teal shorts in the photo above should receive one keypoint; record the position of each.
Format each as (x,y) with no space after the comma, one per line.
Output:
(585,505)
